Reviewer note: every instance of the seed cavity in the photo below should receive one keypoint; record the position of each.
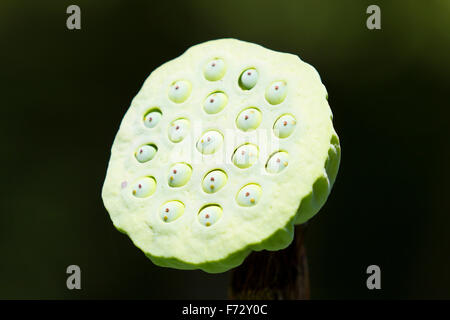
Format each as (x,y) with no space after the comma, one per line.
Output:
(245,155)
(248,79)
(171,210)
(214,70)
(145,153)
(179,91)
(179,174)
(209,215)
(152,118)
(276,92)
(249,195)
(144,187)
(210,142)
(178,129)
(214,181)
(249,119)
(284,126)
(277,162)
(215,102)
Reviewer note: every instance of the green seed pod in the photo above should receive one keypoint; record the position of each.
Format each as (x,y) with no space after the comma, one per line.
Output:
(209,188)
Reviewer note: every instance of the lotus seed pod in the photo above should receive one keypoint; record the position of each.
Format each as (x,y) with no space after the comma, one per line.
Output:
(215,102)
(248,79)
(222,181)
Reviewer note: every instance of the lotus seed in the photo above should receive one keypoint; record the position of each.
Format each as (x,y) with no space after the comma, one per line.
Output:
(249,119)
(215,102)
(249,195)
(178,129)
(152,118)
(144,187)
(214,181)
(277,162)
(210,142)
(145,153)
(179,91)
(284,126)
(209,215)
(171,210)
(276,92)
(245,156)
(179,174)
(214,70)
(248,79)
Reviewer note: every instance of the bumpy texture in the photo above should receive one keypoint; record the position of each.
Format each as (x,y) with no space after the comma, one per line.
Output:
(221,152)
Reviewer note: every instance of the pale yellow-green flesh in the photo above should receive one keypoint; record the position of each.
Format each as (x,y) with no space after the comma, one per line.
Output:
(291,196)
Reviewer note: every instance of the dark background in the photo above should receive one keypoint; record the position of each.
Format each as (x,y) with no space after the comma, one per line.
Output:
(64,93)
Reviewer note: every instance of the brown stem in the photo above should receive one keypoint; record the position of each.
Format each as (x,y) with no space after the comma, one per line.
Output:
(273,275)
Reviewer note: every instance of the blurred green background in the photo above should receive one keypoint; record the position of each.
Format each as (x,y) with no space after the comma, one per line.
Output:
(64,93)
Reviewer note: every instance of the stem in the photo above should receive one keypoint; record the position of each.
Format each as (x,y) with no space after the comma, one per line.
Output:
(273,275)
